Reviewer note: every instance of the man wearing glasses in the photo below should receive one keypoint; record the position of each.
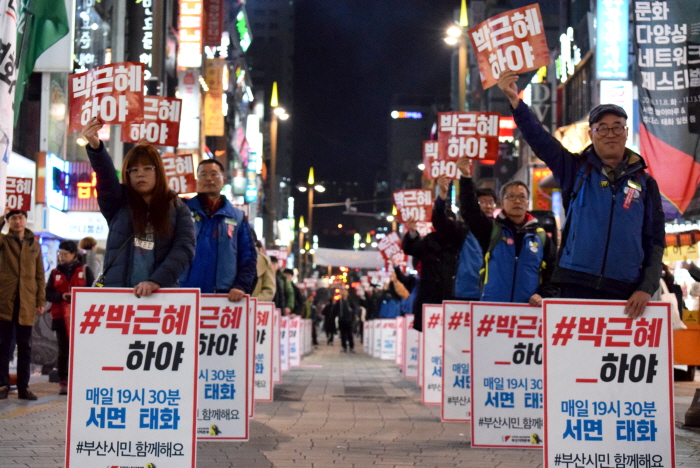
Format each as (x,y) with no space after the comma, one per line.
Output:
(225,260)
(613,238)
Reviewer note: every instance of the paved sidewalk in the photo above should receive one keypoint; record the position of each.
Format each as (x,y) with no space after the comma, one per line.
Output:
(337,410)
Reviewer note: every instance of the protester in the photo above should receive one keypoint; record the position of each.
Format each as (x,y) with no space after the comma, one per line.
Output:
(70,273)
(266,284)
(22,298)
(329,323)
(298,296)
(151,238)
(225,261)
(342,308)
(284,289)
(613,239)
(89,247)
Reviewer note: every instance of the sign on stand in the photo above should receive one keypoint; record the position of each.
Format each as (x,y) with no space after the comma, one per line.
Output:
(223,407)
(456,360)
(506,369)
(388,339)
(400,341)
(276,333)
(284,343)
(252,307)
(294,342)
(410,364)
(136,403)
(377,338)
(264,339)
(431,348)
(615,404)
(366,339)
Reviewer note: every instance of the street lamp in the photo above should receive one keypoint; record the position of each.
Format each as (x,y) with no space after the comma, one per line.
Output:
(457,34)
(278,113)
(310,187)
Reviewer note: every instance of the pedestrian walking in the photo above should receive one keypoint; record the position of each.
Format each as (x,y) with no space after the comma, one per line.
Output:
(342,308)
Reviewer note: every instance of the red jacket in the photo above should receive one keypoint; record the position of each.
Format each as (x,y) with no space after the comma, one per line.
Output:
(61,284)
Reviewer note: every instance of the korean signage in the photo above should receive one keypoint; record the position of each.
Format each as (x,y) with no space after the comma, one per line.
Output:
(189,87)
(284,343)
(179,171)
(366,340)
(264,337)
(276,368)
(222,407)
(414,203)
(136,403)
(506,371)
(294,341)
(190,50)
(92,35)
(431,153)
(144,35)
(376,338)
(431,348)
(212,23)
(456,360)
(67,185)
(161,122)
(252,345)
(390,246)
(612,39)
(620,93)
(388,347)
(112,93)
(400,337)
(513,40)
(411,339)
(615,405)
(19,193)
(472,135)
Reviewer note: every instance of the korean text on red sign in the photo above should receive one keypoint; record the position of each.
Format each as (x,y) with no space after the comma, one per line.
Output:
(616,403)
(513,40)
(136,403)
(112,93)
(472,135)
(222,408)
(179,170)
(390,245)
(414,203)
(19,193)
(506,372)
(161,122)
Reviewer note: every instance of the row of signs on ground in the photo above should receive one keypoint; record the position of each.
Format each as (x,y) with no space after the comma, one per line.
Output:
(576,378)
(182,367)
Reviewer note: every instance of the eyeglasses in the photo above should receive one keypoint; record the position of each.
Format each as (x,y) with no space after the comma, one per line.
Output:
(522,198)
(482,203)
(603,130)
(142,169)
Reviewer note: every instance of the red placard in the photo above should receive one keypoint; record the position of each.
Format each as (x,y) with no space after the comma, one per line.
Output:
(179,169)
(19,193)
(212,15)
(513,40)
(113,93)
(389,246)
(414,203)
(465,134)
(161,122)
(430,154)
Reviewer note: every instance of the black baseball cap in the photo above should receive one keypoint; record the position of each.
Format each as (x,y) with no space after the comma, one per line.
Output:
(599,111)
(11,213)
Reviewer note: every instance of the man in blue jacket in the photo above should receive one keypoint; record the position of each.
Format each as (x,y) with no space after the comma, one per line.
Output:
(613,239)
(225,260)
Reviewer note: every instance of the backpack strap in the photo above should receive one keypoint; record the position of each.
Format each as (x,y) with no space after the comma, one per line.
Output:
(496,231)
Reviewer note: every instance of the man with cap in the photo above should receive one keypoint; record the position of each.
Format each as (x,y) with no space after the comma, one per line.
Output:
(22,298)
(613,238)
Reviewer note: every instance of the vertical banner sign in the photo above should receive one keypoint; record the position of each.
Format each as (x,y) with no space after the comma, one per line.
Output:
(473,135)
(264,347)
(388,339)
(19,193)
(179,170)
(213,99)
(253,346)
(144,35)
(431,348)
(456,361)
(284,344)
(400,336)
(414,203)
(294,342)
(612,39)
(506,371)
(615,405)
(276,369)
(136,403)
(189,53)
(377,338)
(410,364)
(365,337)
(112,93)
(513,40)
(667,49)
(431,160)
(161,122)
(222,407)
(213,22)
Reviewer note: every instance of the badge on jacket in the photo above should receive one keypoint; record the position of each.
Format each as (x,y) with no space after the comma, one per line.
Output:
(534,246)
(632,190)
(230,225)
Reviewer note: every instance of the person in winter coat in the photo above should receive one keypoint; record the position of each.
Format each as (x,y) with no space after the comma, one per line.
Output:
(88,246)
(329,323)
(70,273)
(151,238)
(343,309)
(225,259)
(614,236)
(266,285)
(22,298)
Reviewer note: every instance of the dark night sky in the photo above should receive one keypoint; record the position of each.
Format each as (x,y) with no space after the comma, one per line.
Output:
(351,57)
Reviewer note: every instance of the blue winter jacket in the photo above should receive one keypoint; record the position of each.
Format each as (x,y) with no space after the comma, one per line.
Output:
(226,257)
(172,255)
(605,245)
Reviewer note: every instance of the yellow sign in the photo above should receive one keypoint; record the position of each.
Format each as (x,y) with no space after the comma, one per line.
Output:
(213,116)
(686,252)
(691,317)
(214,75)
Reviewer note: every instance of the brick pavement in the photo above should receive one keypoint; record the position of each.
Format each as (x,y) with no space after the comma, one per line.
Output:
(337,410)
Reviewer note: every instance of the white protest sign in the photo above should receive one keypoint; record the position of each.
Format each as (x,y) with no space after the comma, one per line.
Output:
(284,344)
(294,342)
(388,351)
(410,363)
(506,371)
(431,348)
(456,360)
(377,338)
(136,402)
(608,385)
(276,333)
(400,341)
(365,337)
(252,345)
(224,346)
(264,339)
